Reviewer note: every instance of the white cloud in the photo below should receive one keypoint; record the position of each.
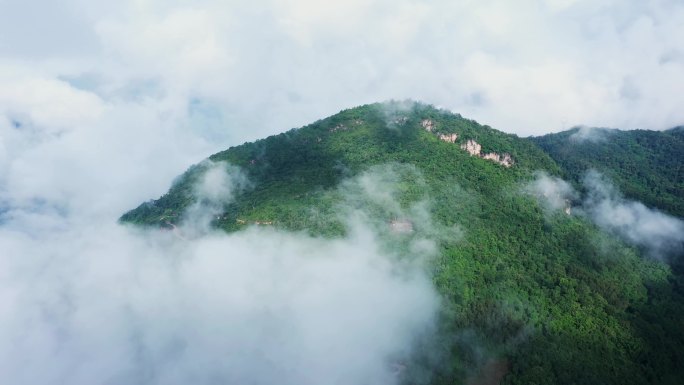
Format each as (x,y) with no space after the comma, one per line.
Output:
(660,234)
(95,302)
(217,186)
(46,103)
(534,67)
(105,305)
(102,104)
(590,134)
(553,192)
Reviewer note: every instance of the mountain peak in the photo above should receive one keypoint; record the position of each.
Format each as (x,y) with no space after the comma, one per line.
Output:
(321,154)
(518,269)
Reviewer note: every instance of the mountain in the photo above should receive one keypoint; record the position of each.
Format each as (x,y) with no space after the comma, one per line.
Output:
(294,167)
(537,295)
(646,165)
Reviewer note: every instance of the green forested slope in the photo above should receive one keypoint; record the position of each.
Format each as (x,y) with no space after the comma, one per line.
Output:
(646,165)
(542,294)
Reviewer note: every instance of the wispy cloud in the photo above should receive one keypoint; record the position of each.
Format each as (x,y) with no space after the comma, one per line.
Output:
(589,134)
(217,185)
(103,104)
(553,192)
(659,234)
(102,303)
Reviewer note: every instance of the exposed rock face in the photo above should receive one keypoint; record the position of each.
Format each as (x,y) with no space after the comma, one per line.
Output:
(475,149)
(428,124)
(472,147)
(503,159)
(506,160)
(451,138)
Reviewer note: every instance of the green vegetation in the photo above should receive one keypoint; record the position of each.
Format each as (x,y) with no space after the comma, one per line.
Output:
(647,166)
(558,300)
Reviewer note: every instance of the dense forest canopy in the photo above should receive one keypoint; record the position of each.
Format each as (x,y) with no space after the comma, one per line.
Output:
(542,293)
(646,165)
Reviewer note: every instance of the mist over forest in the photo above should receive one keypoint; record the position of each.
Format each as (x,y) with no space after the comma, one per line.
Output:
(358,192)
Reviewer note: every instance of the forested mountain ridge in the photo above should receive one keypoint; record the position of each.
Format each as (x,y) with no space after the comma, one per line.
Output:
(299,163)
(646,165)
(544,294)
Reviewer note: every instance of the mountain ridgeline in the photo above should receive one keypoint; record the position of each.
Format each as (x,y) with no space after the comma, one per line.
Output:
(539,296)
(647,166)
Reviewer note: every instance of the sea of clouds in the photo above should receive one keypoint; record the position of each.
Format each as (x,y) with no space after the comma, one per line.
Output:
(103,104)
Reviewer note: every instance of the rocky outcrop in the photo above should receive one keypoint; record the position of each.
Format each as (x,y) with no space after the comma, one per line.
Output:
(506,160)
(502,159)
(475,149)
(450,138)
(472,147)
(428,124)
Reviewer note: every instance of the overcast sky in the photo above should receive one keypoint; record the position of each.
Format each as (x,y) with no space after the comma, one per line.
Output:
(157,85)
(102,104)
(242,70)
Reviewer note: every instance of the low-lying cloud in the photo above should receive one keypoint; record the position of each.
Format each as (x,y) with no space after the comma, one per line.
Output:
(589,134)
(659,234)
(553,192)
(111,304)
(217,186)
(103,103)
(393,197)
